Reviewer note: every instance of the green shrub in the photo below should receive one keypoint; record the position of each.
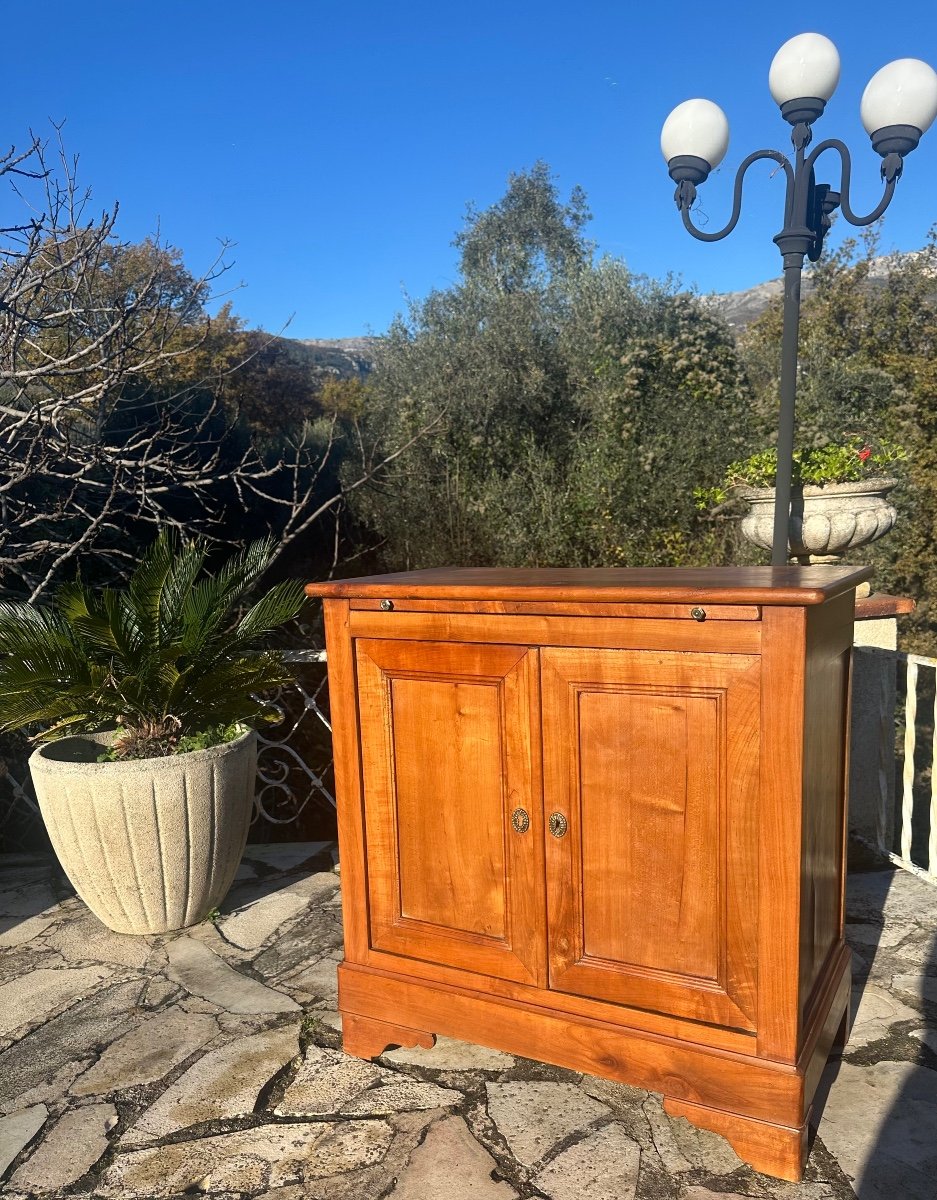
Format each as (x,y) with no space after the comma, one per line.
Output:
(854,459)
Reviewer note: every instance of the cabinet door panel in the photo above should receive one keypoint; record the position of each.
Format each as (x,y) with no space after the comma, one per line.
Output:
(449,752)
(652,892)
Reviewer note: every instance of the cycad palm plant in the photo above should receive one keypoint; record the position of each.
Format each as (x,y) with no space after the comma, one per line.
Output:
(164,659)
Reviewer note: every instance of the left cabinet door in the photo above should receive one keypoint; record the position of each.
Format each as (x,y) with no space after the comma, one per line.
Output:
(450,756)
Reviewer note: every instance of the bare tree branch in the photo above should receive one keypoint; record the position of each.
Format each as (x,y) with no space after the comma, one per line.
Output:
(118,400)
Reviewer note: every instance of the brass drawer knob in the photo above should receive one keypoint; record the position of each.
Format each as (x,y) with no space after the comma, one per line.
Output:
(698,614)
(558,825)
(520,820)
(387,605)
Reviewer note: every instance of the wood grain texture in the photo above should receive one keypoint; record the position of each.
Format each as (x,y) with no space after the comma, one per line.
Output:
(699,1074)
(718,585)
(879,605)
(343,707)
(561,608)
(447,751)
(366,1038)
(573,1006)
(772,1149)
(783,667)
(637,753)
(829,1020)
(721,637)
(823,846)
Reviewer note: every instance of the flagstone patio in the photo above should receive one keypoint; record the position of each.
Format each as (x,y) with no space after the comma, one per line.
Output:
(209,1063)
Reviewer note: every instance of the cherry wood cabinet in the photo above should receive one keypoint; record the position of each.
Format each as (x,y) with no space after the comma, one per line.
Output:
(597,818)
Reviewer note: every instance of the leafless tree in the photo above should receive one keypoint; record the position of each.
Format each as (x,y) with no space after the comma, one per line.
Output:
(114,415)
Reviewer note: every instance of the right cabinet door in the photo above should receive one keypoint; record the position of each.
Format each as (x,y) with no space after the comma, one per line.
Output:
(651,794)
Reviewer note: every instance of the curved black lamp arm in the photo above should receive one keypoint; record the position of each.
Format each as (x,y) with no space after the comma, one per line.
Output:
(890,171)
(775,156)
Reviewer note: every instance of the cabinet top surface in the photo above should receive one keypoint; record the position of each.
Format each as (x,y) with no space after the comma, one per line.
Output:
(729,585)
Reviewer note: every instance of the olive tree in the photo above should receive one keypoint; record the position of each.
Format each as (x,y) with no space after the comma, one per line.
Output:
(572,407)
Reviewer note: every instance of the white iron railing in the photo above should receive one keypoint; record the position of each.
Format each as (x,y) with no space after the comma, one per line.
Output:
(287,778)
(915,842)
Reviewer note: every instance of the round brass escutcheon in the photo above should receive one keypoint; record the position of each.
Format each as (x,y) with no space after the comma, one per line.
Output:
(698,614)
(520,820)
(558,824)
(387,605)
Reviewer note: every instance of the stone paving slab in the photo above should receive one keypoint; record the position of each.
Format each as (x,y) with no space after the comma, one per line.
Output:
(222,1083)
(15,931)
(251,926)
(603,1166)
(532,1116)
(68,1043)
(74,1145)
(147,1053)
(203,973)
(209,1063)
(897,1103)
(250,1160)
(17,1130)
(44,992)
(83,939)
(432,1170)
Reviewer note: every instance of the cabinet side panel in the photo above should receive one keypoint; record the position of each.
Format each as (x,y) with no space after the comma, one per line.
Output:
(344,710)
(829,647)
(779,855)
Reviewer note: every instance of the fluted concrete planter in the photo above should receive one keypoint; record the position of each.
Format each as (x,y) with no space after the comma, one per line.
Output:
(825,521)
(152,844)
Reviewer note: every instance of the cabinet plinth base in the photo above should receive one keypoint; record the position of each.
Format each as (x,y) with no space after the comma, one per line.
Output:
(772,1149)
(364,1037)
(760,1106)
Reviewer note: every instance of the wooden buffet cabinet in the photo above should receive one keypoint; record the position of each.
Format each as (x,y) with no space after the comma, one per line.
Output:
(596,818)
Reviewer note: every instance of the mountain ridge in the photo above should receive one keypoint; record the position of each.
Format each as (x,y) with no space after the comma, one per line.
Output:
(356,355)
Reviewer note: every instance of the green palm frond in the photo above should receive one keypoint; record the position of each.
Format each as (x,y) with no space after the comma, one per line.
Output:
(146,586)
(166,645)
(73,725)
(279,605)
(160,585)
(73,601)
(177,587)
(105,620)
(50,702)
(38,645)
(210,603)
(233,678)
(21,624)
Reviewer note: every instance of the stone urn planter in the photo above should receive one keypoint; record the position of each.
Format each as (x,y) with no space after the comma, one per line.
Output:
(826,521)
(150,845)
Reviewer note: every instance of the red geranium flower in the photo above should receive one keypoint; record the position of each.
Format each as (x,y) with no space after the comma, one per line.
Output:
(865,452)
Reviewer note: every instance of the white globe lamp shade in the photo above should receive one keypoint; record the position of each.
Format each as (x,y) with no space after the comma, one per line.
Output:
(902,93)
(805,66)
(697,128)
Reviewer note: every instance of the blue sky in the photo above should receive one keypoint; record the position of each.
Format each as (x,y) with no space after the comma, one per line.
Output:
(338,144)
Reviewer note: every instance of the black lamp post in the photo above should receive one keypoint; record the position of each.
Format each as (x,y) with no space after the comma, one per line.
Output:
(898,106)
